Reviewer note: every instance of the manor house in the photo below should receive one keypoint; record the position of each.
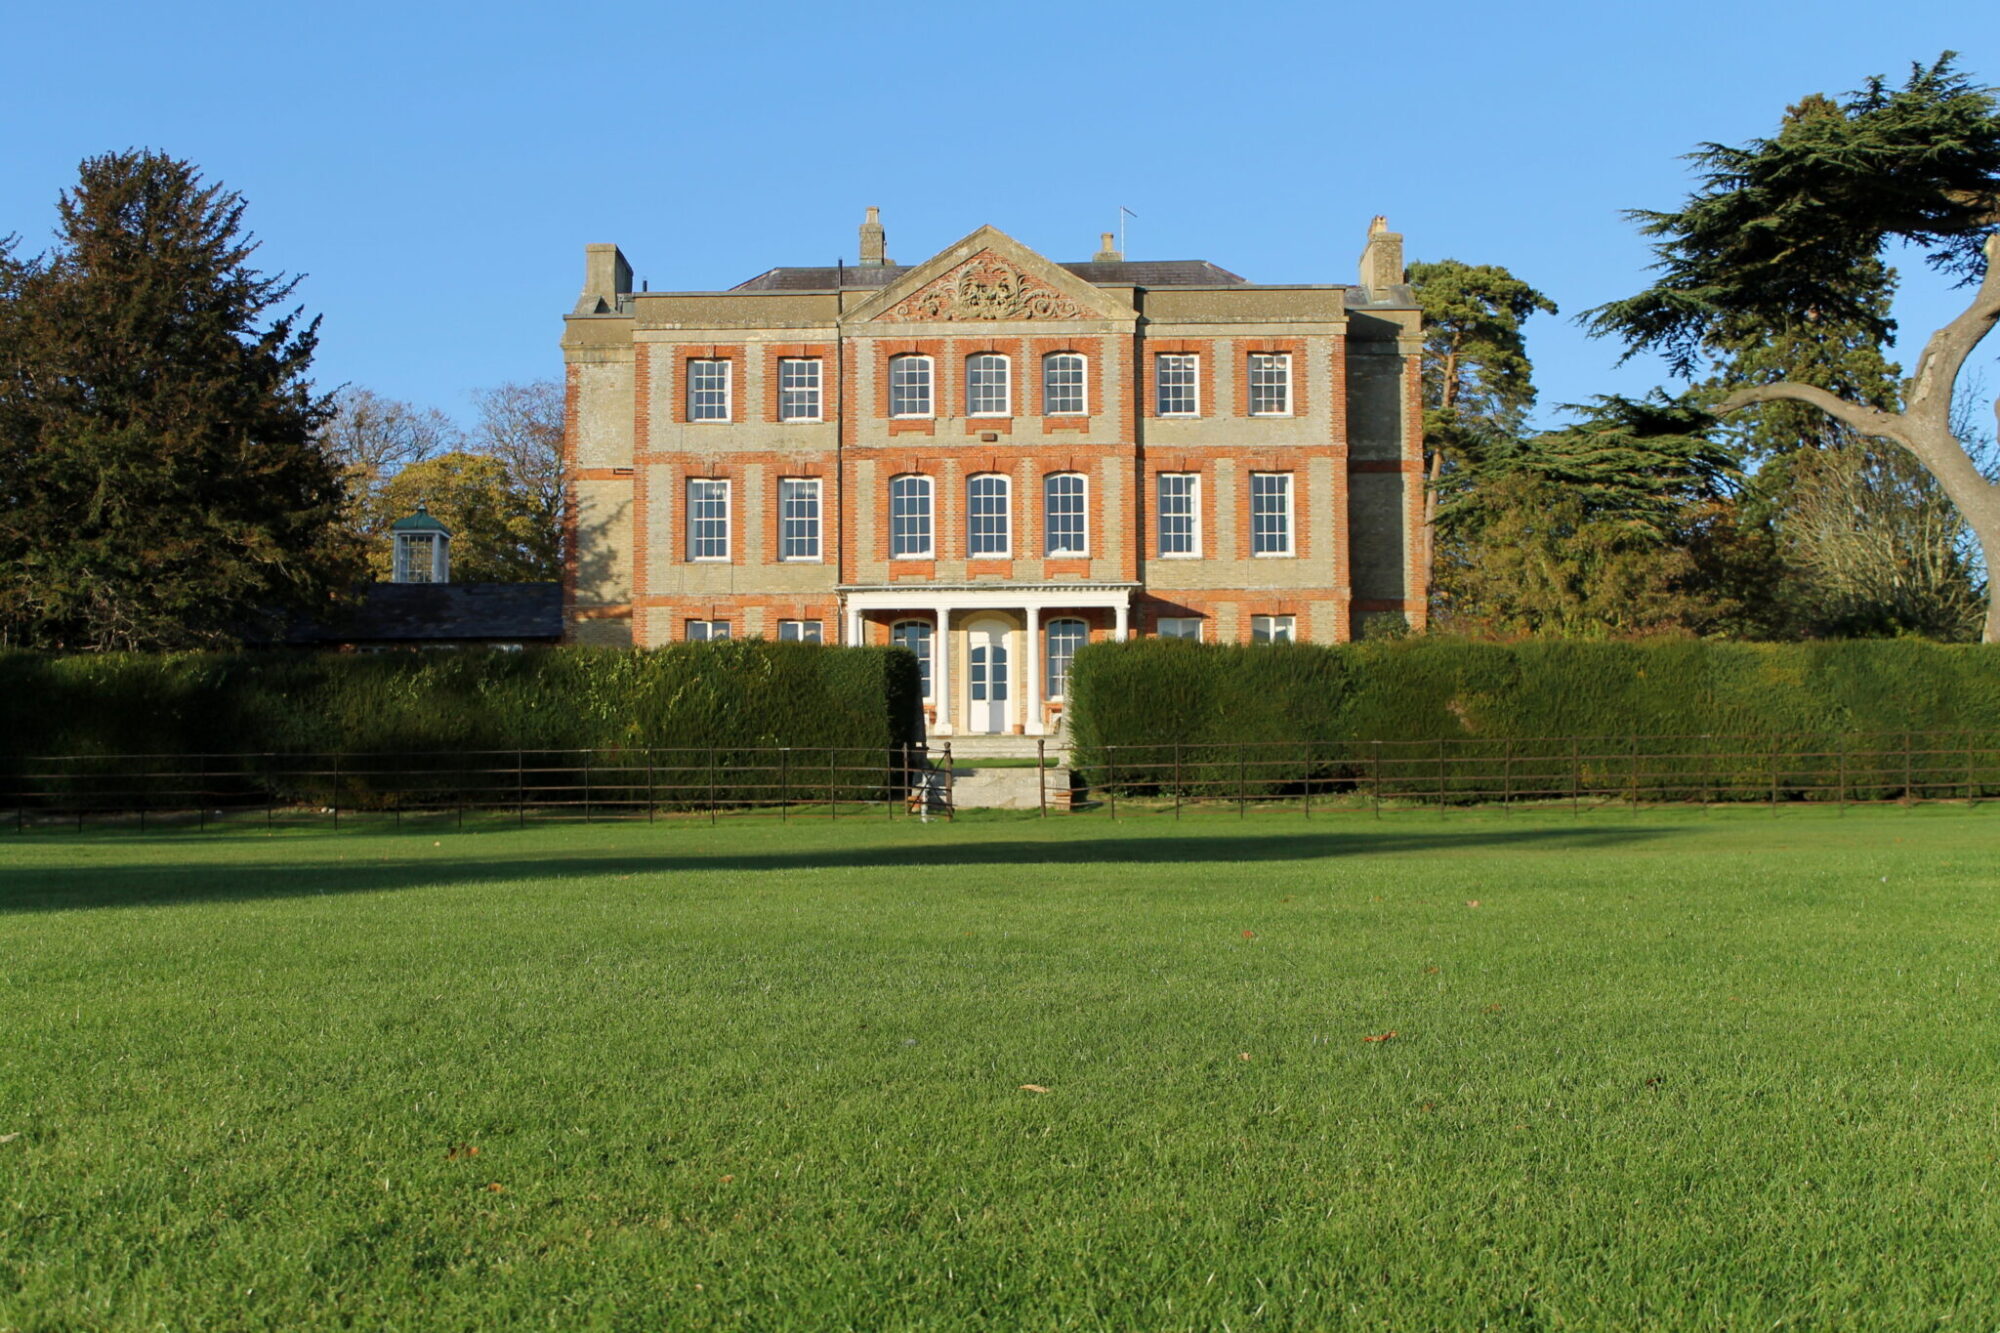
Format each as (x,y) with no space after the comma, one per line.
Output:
(992,458)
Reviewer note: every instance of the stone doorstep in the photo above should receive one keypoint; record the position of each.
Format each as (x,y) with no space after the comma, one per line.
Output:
(1009,788)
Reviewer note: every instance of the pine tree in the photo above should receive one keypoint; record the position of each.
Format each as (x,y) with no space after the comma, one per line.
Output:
(160,486)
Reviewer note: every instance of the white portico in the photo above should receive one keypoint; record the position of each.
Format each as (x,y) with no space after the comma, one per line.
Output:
(1014,641)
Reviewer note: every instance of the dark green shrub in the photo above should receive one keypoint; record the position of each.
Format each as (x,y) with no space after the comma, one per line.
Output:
(434,715)
(1152,713)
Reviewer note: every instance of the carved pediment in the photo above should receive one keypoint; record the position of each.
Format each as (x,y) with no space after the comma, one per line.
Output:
(986,286)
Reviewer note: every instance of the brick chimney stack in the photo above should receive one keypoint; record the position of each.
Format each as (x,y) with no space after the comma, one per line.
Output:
(1107,253)
(1381,258)
(874,241)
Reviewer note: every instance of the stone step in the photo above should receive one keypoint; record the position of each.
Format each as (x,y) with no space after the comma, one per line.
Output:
(1010,788)
(965,749)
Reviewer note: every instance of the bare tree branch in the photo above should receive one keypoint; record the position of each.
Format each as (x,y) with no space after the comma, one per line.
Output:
(1863,420)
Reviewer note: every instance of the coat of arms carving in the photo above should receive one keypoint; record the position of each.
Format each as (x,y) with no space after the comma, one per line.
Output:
(986,287)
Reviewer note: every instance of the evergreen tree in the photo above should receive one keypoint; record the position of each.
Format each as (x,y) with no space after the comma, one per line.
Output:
(1598,527)
(1478,383)
(1784,242)
(159,482)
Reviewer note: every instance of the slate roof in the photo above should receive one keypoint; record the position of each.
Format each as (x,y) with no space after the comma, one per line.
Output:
(444,612)
(1125,273)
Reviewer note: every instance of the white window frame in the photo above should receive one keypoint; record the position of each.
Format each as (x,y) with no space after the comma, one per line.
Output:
(919,374)
(988,362)
(927,485)
(701,407)
(703,492)
(1193,515)
(801,631)
(1179,625)
(1271,374)
(1057,663)
(1274,629)
(706,631)
(1082,372)
(799,384)
(799,511)
(1049,548)
(928,639)
(1187,374)
(1283,515)
(974,518)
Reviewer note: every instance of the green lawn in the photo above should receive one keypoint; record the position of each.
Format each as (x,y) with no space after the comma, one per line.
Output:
(1671,1071)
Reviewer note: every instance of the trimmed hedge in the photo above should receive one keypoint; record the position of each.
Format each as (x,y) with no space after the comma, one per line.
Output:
(1157,692)
(730,696)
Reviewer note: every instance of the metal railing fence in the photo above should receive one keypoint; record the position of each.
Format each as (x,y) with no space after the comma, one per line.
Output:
(783,781)
(1574,773)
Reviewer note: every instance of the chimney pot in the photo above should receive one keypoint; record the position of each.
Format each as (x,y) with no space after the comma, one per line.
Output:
(1106,252)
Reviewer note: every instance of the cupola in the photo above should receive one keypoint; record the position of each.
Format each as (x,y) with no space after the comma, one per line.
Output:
(423,549)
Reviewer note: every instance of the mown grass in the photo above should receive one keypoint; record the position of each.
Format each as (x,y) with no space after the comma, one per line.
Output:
(1671,1071)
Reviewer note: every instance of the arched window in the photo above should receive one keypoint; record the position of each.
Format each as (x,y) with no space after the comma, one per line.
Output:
(916,636)
(910,517)
(988,515)
(987,386)
(1065,637)
(1064,528)
(910,386)
(1062,385)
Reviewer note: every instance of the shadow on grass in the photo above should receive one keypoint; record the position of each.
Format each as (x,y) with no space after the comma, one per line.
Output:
(206,876)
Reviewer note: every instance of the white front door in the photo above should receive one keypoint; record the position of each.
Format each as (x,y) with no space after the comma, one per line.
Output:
(986,678)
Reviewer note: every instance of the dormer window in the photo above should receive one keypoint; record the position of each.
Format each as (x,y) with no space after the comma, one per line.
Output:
(422,549)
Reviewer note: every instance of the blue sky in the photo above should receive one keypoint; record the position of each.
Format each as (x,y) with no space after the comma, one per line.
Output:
(435,170)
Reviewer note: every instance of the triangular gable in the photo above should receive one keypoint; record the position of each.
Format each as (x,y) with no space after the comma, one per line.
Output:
(989,276)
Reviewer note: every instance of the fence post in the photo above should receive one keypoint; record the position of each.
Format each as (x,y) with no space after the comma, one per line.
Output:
(1632,778)
(1774,777)
(711,785)
(586,786)
(1507,779)
(1575,778)
(950,786)
(1971,790)
(832,794)
(1909,782)
(1042,775)
(1377,782)
(1242,779)
(1840,754)
(1440,775)
(336,792)
(652,786)
(520,787)
(1307,777)
(784,784)
(1111,779)
(1177,779)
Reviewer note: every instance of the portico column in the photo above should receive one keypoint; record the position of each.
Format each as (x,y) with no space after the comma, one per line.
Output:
(854,639)
(1032,652)
(1122,611)
(941,670)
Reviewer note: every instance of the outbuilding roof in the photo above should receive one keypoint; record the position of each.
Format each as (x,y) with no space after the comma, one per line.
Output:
(443,612)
